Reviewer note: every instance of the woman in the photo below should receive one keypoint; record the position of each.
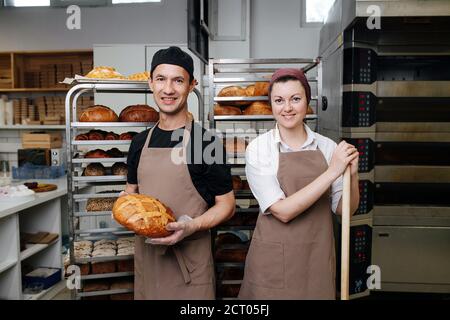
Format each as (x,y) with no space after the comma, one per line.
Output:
(296,176)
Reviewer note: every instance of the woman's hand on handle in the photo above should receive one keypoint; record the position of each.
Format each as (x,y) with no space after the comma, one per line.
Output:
(343,155)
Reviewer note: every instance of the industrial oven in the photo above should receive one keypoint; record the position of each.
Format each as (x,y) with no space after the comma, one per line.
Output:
(387,91)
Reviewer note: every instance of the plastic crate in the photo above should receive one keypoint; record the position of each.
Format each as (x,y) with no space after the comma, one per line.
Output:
(30,171)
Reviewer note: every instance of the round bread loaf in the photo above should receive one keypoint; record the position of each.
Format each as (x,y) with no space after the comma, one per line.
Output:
(94,169)
(258,108)
(261,89)
(233,91)
(119,169)
(235,254)
(97,153)
(127,135)
(96,135)
(139,113)
(236,145)
(222,110)
(111,136)
(115,153)
(237,183)
(82,136)
(250,90)
(309,110)
(143,214)
(98,113)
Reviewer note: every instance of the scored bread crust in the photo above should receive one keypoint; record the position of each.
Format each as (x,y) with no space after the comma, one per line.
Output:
(143,214)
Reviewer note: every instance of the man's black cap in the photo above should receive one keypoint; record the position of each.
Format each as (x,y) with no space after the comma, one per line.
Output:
(176,56)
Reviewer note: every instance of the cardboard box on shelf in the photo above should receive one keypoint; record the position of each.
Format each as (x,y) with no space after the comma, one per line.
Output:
(51,140)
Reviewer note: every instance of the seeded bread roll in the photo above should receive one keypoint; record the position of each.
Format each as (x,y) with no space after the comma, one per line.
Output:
(119,169)
(94,169)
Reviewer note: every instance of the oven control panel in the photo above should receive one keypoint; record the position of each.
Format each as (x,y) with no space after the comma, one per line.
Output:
(360,66)
(358,109)
(365,147)
(360,257)
(366,192)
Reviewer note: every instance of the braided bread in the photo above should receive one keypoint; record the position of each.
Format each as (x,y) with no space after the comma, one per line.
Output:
(143,214)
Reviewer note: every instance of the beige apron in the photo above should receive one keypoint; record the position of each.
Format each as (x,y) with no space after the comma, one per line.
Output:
(294,260)
(184,270)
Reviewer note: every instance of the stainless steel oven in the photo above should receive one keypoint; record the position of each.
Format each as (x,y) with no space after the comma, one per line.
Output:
(387,91)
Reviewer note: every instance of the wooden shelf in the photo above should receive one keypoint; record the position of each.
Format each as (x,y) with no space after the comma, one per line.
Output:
(26,71)
(35,248)
(34,89)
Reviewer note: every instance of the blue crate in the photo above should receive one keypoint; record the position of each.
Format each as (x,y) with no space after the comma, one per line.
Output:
(31,171)
(53,277)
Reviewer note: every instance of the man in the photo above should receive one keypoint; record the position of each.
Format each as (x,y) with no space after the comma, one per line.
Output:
(179,266)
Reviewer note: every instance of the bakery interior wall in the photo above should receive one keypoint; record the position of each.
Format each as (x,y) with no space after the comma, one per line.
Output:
(45,28)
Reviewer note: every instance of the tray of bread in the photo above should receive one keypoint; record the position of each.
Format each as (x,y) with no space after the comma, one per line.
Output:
(138,115)
(106,74)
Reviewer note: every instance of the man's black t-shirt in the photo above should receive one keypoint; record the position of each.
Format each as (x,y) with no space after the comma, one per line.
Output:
(206,159)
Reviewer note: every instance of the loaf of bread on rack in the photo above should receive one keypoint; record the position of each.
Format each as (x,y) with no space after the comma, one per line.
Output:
(98,113)
(236,253)
(115,153)
(261,89)
(237,183)
(96,134)
(119,169)
(139,113)
(100,204)
(94,169)
(222,110)
(235,145)
(103,72)
(127,135)
(82,136)
(103,267)
(228,290)
(226,238)
(258,108)
(233,91)
(141,76)
(309,110)
(111,136)
(250,90)
(97,153)
(231,273)
(143,214)
(97,285)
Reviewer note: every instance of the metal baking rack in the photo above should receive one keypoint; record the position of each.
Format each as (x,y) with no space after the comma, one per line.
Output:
(79,187)
(243,72)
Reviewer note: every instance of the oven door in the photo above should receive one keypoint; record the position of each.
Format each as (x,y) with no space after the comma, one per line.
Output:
(412,258)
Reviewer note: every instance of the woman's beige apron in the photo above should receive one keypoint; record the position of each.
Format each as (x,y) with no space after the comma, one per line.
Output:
(294,260)
(184,270)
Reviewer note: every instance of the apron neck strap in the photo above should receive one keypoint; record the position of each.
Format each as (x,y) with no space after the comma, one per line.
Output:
(186,133)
